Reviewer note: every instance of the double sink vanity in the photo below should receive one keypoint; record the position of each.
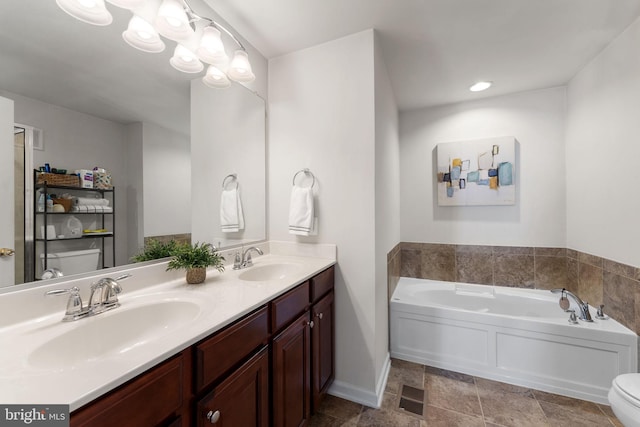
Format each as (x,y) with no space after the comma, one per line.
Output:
(247,347)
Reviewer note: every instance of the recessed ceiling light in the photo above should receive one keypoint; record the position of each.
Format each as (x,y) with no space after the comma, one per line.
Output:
(480,86)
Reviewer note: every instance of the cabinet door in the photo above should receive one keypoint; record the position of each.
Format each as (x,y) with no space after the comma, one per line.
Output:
(242,399)
(291,374)
(322,345)
(148,400)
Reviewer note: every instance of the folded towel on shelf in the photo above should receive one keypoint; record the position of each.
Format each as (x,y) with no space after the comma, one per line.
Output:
(301,215)
(231,215)
(92,209)
(90,201)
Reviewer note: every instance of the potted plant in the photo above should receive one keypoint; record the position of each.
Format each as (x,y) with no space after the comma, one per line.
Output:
(154,249)
(195,259)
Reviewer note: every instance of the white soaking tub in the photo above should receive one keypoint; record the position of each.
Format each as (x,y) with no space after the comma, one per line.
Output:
(513,335)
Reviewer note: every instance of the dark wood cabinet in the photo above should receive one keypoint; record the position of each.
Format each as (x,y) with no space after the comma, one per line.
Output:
(154,398)
(303,353)
(291,371)
(217,355)
(270,368)
(322,348)
(242,399)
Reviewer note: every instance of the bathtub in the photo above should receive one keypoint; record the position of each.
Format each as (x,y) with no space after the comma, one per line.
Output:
(517,336)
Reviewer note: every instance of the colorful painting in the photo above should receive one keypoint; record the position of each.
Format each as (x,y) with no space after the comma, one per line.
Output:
(477,173)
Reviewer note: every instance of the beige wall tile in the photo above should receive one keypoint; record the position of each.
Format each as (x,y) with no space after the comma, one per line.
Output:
(514,270)
(550,272)
(590,284)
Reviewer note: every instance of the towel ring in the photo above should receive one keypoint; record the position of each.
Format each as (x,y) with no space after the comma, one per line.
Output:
(232,176)
(306,171)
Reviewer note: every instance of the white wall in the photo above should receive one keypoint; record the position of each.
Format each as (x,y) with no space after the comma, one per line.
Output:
(322,117)
(537,120)
(166,160)
(387,214)
(134,190)
(227,137)
(602,147)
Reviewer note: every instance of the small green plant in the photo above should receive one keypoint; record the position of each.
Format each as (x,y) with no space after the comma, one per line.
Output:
(199,255)
(154,249)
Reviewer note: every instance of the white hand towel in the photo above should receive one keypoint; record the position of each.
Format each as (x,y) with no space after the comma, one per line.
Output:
(231,215)
(301,211)
(82,201)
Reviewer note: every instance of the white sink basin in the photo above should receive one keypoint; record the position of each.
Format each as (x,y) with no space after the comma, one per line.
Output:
(263,273)
(112,333)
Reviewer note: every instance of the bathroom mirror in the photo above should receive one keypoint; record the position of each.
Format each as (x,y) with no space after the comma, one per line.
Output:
(68,79)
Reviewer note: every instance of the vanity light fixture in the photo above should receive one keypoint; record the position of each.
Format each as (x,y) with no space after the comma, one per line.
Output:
(90,11)
(198,38)
(480,86)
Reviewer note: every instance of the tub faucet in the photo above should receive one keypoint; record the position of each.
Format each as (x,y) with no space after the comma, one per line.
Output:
(585,316)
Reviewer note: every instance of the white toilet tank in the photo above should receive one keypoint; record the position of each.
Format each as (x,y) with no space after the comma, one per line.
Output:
(73,262)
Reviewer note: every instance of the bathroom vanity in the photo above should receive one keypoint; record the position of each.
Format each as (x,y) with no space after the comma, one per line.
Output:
(256,352)
(225,378)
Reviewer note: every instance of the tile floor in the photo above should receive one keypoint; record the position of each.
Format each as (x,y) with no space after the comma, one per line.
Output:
(454,399)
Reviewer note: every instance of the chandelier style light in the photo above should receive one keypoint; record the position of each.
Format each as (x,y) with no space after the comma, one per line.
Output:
(198,38)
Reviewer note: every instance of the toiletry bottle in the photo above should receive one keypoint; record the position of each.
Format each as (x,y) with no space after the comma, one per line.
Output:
(41,202)
(49,203)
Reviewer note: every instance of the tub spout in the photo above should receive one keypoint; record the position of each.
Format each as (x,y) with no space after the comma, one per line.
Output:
(582,305)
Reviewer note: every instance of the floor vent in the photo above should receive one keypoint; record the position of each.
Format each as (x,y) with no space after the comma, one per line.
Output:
(411,400)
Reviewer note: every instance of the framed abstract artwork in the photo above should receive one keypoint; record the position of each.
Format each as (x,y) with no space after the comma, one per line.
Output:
(477,172)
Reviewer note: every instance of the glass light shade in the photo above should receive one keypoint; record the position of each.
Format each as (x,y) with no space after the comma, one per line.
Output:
(211,49)
(215,78)
(480,86)
(141,35)
(127,4)
(240,68)
(90,11)
(172,21)
(186,61)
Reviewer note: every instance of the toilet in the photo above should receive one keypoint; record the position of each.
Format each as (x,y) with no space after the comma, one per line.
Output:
(624,397)
(73,262)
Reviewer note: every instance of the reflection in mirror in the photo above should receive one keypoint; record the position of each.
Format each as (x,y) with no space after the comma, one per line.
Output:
(99,103)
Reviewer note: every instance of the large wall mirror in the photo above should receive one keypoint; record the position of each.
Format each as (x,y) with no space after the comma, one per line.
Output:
(83,98)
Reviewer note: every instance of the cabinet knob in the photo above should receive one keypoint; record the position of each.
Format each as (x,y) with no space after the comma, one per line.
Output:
(319,316)
(213,417)
(311,324)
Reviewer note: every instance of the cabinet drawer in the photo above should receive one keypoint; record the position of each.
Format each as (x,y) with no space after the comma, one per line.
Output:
(322,283)
(224,350)
(289,306)
(148,400)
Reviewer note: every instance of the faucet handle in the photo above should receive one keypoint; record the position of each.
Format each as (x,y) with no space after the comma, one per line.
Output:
(75,308)
(600,314)
(572,317)
(237,262)
(248,262)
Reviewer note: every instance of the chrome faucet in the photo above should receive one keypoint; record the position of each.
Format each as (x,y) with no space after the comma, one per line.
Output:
(585,316)
(104,296)
(245,260)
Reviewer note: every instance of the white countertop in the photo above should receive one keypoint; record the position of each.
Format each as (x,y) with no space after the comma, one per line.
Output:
(222,299)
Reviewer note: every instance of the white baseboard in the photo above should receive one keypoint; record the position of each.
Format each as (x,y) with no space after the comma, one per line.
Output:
(362,396)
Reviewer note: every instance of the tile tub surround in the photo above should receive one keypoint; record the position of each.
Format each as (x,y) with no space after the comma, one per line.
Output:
(595,279)
(454,399)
